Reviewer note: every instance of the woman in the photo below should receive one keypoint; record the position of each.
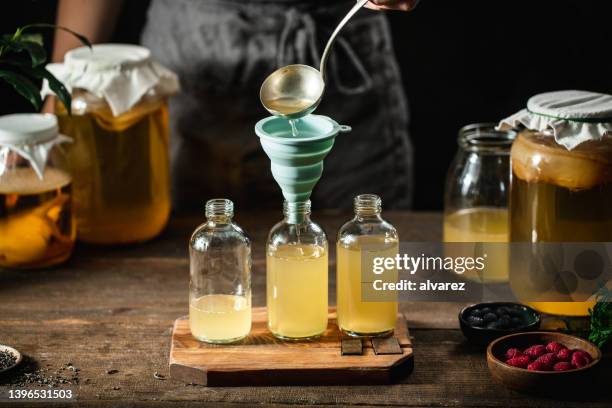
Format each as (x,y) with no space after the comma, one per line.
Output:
(224,49)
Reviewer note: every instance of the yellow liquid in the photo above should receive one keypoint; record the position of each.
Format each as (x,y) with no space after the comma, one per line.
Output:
(356,317)
(288,105)
(37,228)
(121,172)
(297,291)
(482,224)
(220,318)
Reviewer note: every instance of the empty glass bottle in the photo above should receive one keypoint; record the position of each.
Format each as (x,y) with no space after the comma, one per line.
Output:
(365,237)
(220,268)
(297,271)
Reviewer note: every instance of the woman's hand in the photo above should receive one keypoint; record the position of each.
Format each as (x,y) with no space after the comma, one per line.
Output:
(405,5)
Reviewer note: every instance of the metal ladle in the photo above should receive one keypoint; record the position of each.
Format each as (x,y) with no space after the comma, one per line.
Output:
(296,90)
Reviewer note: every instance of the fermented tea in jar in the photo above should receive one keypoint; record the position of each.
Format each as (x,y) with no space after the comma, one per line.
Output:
(297,275)
(37,228)
(220,270)
(366,237)
(477,195)
(562,178)
(119,158)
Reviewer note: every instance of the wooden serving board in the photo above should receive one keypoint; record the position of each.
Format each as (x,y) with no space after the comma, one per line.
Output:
(262,359)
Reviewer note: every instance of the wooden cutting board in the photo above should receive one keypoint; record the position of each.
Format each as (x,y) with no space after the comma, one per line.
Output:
(261,359)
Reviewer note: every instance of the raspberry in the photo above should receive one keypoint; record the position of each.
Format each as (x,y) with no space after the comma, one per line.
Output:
(513,352)
(521,361)
(581,358)
(548,360)
(537,366)
(564,355)
(563,366)
(535,351)
(554,347)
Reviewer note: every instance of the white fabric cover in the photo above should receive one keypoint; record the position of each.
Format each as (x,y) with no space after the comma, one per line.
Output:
(119,73)
(573,117)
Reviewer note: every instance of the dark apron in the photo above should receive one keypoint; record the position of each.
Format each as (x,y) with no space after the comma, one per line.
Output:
(222,51)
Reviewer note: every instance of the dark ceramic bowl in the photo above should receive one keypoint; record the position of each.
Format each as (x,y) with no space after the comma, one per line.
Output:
(483,335)
(574,382)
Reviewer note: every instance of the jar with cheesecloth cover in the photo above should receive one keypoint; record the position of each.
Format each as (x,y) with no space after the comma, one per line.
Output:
(561,186)
(120,157)
(37,227)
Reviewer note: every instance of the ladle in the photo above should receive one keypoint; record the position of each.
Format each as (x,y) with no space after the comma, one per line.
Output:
(296,90)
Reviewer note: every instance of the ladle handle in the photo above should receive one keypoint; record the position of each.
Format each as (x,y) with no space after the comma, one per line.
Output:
(331,40)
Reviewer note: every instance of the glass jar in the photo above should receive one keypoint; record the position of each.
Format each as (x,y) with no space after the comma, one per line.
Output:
(477,194)
(220,269)
(119,158)
(37,227)
(365,237)
(297,275)
(561,190)
(561,196)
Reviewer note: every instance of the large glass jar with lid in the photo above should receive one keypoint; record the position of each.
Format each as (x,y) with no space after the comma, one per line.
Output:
(37,227)
(562,179)
(297,275)
(120,157)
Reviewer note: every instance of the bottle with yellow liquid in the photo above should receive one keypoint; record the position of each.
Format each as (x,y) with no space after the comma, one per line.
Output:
(120,155)
(297,275)
(220,269)
(477,194)
(37,227)
(365,237)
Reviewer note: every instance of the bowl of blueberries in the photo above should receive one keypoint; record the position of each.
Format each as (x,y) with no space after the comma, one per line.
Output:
(483,322)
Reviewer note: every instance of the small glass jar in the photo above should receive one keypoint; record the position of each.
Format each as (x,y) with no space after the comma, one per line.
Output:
(297,275)
(220,269)
(477,194)
(37,227)
(120,155)
(365,237)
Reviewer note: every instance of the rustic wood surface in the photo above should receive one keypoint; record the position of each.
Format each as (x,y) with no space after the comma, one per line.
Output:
(262,359)
(113,309)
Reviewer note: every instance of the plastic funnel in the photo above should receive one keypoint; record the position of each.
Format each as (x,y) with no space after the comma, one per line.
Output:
(297,161)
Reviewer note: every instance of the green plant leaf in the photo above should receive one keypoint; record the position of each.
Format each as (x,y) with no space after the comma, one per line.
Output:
(36,51)
(56,86)
(24,86)
(81,37)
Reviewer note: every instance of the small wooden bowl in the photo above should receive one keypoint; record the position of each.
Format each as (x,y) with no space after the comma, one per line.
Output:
(16,353)
(552,383)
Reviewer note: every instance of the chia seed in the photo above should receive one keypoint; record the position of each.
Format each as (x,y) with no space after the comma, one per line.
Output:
(7,359)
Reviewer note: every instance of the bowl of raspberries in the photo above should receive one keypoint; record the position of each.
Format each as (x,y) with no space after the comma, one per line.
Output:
(538,362)
(483,322)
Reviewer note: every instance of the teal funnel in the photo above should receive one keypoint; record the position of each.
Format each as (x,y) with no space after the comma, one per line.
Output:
(297,161)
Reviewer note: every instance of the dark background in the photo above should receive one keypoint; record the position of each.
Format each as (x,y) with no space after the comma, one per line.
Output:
(463,62)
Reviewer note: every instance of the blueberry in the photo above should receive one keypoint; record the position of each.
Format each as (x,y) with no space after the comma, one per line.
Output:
(476,312)
(490,317)
(515,311)
(486,310)
(502,311)
(516,322)
(476,321)
(492,325)
(504,322)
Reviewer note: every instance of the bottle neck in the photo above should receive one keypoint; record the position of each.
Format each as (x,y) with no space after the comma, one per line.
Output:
(297,213)
(367,206)
(484,138)
(219,210)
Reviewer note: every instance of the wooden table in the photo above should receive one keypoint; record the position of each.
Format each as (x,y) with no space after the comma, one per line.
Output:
(113,308)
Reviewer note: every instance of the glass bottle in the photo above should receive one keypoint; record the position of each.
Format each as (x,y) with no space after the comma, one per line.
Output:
(365,237)
(120,161)
(477,194)
(220,269)
(297,275)
(37,227)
